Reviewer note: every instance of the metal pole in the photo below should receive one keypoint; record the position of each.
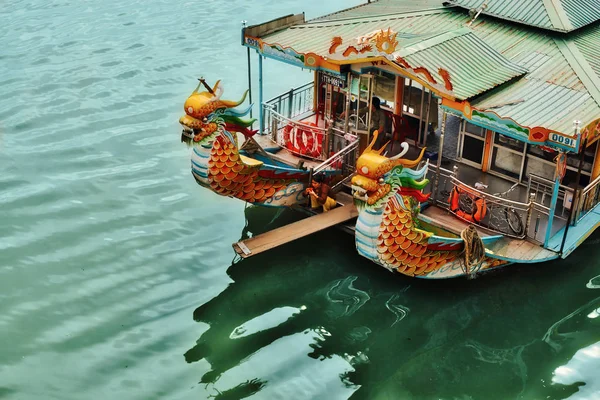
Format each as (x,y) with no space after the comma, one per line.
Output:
(553,202)
(576,192)
(260,95)
(249,70)
(439,157)
(249,80)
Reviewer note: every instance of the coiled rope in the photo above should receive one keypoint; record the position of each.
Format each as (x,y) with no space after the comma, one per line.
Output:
(471,258)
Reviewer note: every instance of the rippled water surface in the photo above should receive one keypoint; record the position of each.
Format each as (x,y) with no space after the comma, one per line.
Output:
(117,276)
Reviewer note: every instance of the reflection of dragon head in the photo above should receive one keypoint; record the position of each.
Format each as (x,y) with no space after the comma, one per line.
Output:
(378,178)
(206,113)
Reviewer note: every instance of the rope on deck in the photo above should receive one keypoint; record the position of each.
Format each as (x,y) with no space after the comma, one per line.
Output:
(471,258)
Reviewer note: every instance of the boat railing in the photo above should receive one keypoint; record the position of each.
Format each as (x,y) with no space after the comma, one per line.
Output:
(297,101)
(337,158)
(542,189)
(300,138)
(441,184)
(587,199)
(494,212)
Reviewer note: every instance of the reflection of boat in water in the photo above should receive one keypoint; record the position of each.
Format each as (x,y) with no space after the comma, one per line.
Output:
(417,214)
(278,327)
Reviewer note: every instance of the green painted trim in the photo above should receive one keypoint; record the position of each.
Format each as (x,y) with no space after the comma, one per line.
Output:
(581,67)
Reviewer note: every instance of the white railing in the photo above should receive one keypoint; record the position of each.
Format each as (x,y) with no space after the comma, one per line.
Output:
(297,101)
(588,198)
(300,138)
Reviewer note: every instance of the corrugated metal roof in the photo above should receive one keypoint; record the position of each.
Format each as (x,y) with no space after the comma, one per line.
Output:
(581,12)
(552,94)
(558,15)
(381,7)
(474,67)
(588,42)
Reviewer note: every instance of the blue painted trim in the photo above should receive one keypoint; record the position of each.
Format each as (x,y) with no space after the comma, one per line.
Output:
(260,95)
(520,138)
(553,202)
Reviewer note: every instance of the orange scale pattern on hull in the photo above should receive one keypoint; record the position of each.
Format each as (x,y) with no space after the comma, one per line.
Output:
(404,248)
(229,176)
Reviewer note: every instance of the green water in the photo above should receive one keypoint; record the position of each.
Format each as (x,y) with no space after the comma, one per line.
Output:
(117,276)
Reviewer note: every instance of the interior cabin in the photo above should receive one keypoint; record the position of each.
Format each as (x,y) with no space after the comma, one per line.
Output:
(505,99)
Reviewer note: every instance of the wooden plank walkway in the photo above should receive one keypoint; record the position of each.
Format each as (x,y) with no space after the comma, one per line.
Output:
(296,230)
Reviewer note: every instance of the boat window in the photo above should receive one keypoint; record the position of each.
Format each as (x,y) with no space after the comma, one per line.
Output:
(474,129)
(509,142)
(413,93)
(506,162)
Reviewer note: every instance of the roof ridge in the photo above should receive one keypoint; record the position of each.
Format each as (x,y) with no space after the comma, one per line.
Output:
(557,14)
(433,40)
(581,66)
(396,14)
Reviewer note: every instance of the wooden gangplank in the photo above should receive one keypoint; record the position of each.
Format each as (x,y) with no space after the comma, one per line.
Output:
(296,230)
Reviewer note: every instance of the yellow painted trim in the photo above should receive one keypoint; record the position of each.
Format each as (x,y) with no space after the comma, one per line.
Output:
(251,162)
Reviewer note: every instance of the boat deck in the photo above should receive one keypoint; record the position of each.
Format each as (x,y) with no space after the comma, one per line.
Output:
(576,233)
(506,248)
(283,155)
(439,217)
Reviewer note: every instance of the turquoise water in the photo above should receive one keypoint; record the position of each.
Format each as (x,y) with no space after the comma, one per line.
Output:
(117,276)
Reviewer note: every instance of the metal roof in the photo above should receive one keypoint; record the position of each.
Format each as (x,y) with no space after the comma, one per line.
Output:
(562,82)
(557,15)
(381,7)
(473,66)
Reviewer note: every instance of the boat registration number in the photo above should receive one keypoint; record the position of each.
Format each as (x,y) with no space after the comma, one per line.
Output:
(556,137)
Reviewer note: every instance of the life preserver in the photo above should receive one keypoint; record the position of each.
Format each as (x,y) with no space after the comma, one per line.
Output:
(478,212)
(305,141)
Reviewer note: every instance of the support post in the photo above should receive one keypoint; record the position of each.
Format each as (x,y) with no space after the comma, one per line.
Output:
(439,157)
(529,213)
(553,202)
(575,202)
(260,95)
(290,103)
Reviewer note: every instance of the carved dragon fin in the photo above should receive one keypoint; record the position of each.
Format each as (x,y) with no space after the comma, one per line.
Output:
(405,147)
(412,163)
(370,147)
(382,148)
(231,103)
(216,86)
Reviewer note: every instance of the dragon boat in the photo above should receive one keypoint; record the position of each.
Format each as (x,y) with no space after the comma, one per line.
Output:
(455,140)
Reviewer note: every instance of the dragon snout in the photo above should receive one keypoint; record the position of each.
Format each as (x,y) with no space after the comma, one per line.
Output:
(362,187)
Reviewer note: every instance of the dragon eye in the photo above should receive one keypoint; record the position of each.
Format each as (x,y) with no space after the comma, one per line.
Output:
(364,170)
(381,180)
(204,119)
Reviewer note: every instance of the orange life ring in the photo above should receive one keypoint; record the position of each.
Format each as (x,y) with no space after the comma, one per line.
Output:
(479,206)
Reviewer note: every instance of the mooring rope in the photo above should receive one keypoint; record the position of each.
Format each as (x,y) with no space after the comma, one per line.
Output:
(473,253)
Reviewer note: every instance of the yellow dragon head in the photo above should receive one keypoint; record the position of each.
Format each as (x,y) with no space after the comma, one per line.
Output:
(377,177)
(206,112)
